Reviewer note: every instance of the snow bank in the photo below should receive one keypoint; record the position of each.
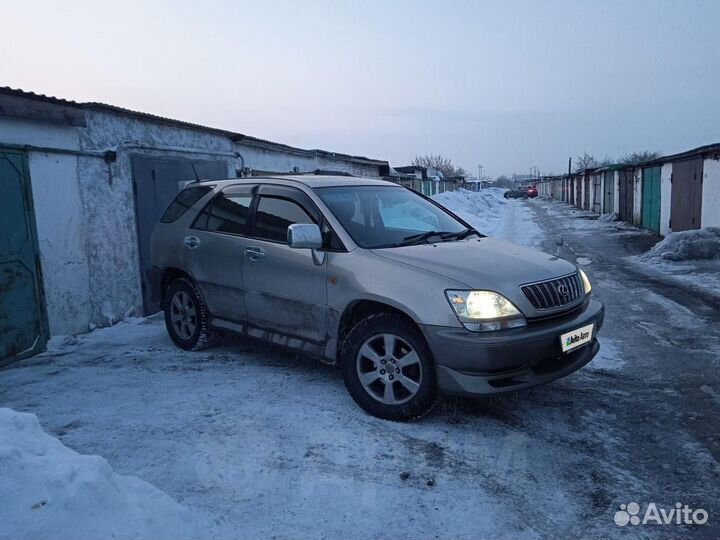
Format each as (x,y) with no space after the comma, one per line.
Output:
(609,217)
(481,209)
(50,491)
(687,245)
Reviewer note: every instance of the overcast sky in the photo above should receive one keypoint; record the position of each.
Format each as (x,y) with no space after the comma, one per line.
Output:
(506,84)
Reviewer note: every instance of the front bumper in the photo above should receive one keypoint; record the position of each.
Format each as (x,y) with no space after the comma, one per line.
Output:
(470,363)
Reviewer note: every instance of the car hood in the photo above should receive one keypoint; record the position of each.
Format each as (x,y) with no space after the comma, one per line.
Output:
(484,263)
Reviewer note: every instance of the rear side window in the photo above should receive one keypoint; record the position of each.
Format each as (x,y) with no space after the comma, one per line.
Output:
(275,215)
(184,200)
(227,213)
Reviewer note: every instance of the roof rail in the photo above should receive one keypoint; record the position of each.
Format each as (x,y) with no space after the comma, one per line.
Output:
(324,172)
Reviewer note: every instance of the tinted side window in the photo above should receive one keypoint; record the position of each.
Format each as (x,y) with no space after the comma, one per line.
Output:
(273,217)
(226,213)
(184,200)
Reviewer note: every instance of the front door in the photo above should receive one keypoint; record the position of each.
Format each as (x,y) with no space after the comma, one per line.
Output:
(285,290)
(23,325)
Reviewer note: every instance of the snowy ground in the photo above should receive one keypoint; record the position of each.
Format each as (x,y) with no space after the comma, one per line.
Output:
(255,442)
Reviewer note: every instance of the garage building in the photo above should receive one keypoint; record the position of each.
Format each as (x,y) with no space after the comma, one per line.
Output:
(83,185)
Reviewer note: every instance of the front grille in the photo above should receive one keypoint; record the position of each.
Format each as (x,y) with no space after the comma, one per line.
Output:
(548,294)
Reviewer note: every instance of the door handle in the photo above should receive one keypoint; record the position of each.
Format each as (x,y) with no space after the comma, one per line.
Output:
(254,253)
(191,242)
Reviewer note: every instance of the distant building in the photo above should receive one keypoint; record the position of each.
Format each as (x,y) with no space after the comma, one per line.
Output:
(415,170)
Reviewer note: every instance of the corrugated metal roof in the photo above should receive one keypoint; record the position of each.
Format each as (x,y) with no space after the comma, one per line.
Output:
(235,136)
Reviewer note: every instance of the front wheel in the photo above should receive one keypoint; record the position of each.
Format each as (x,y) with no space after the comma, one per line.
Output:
(388,369)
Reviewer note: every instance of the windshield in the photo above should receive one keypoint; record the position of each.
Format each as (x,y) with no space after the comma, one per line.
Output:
(379,216)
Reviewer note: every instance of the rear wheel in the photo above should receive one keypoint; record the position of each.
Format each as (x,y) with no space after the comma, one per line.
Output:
(186,316)
(388,368)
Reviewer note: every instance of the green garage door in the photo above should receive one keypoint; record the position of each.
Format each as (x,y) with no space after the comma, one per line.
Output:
(651,199)
(23,326)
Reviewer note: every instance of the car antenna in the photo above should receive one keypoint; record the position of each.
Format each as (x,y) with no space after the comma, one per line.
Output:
(197,177)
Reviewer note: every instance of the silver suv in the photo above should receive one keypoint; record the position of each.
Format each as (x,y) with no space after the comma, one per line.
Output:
(408,299)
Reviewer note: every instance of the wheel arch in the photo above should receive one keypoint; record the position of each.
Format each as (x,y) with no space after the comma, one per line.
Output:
(362,308)
(169,275)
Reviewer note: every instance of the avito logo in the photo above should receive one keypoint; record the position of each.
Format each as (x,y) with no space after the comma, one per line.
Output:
(574,339)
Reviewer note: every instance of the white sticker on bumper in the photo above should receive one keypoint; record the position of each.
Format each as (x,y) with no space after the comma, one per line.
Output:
(576,338)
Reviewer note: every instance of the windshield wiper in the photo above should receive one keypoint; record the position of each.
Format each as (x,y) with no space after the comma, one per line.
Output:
(415,239)
(463,234)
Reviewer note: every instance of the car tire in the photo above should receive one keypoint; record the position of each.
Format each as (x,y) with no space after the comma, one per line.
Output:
(525,196)
(413,388)
(186,316)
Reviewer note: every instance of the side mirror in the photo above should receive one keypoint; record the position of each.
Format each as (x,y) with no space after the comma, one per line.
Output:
(304,236)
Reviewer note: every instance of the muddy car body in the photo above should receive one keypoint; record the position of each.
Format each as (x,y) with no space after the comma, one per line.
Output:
(406,297)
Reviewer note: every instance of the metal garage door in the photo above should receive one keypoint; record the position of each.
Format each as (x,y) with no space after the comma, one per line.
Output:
(627,188)
(651,199)
(597,195)
(609,195)
(586,192)
(156,182)
(686,197)
(23,323)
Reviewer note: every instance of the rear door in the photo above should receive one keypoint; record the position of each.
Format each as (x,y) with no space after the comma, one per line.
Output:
(686,199)
(23,323)
(214,248)
(285,291)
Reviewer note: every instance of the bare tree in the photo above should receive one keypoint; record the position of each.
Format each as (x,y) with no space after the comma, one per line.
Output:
(586,161)
(639,157)
(604,162)
(442,164)
(504,182)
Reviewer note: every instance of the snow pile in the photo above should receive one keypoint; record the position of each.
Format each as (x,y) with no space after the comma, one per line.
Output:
(609,217)
(50,491)
(687,245)
(481,209)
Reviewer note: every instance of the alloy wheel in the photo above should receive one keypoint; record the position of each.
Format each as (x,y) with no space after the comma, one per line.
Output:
(389,369)
(183,315)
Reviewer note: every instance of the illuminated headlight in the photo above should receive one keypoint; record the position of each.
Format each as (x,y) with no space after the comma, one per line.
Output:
(485,311)
(586,282)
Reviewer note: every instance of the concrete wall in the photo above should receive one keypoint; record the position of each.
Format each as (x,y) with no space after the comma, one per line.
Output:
(665,198)
(62,239)
(711,194)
